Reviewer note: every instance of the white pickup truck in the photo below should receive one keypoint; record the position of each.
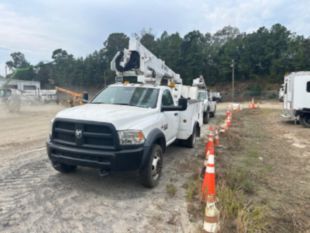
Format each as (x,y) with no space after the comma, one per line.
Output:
(127,126)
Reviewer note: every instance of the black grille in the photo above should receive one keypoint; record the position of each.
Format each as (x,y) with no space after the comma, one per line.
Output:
(93,135)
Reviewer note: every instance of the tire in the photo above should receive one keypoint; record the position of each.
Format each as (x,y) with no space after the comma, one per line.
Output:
(305,121)
(151,173)
(63,168)
(212,114)
(190,142)
(206,117)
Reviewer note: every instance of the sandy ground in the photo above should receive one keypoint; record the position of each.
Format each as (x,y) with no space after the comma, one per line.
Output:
(275,156)
(36,198)
(289,181)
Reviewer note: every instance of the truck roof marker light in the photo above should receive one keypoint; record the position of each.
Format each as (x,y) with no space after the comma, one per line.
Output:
(171,84)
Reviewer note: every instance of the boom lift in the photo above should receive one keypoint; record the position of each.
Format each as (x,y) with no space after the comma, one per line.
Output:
(138,64)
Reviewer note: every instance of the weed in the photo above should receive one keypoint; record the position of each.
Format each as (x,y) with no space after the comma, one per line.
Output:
(229,202)
(240,180)
(192,189)
(171,190)
(251,219)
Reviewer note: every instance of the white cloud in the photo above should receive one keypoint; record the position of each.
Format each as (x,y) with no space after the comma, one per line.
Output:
(37,27)
(36,37)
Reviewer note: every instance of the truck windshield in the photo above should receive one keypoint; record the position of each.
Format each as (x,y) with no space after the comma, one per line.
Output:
(202,96)
(132,96)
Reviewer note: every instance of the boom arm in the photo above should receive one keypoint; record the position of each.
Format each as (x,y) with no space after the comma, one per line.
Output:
(140,62)
(200,82)
(69,92)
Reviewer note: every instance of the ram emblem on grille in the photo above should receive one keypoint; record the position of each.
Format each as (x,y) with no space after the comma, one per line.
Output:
(78,133)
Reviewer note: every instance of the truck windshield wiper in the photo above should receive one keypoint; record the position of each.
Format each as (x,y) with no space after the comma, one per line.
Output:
(122,104)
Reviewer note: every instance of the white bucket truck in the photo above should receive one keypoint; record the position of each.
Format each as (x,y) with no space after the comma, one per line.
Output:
(296,98)
(128,125)
(209,105)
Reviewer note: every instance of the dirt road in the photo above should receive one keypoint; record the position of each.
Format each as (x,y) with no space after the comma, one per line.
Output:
(36,198)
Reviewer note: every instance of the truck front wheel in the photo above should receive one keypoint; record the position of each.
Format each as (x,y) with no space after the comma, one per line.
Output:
(63,168)
(305,120)
(150,174)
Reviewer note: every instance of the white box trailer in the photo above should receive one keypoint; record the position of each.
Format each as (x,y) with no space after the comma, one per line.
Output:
(296,99)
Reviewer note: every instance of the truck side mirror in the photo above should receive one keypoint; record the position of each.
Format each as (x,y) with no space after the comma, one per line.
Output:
(85,97)
(182,104)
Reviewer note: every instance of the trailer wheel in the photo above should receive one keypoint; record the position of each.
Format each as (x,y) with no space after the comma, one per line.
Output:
(305,121)
(150,174)
(63,168)
(206,117)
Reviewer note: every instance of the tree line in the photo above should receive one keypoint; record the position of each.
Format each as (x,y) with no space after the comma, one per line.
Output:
(264,55)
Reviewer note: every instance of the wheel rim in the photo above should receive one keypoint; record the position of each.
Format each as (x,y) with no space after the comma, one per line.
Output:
(156,165)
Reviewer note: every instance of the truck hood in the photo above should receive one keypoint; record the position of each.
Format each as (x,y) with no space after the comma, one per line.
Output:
(122,117)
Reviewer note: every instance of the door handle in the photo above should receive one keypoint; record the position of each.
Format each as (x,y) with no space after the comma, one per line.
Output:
(176,114)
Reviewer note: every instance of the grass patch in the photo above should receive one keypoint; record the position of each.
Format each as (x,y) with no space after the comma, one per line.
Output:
(192,188)
(171,190)
(236,215)
(240,180)
(239,174)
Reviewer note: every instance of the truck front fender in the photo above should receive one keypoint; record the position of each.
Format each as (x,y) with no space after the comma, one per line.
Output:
(154,137)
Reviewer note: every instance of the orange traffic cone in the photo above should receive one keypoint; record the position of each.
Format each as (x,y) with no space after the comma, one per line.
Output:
(208,185)
(252,104)
(211,221)
(228,113)
(210,144)
(217,138)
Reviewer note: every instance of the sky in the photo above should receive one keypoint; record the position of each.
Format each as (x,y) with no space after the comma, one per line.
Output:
(37,27)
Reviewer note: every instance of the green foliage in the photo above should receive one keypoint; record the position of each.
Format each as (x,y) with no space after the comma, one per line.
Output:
(264,56)
(255,89)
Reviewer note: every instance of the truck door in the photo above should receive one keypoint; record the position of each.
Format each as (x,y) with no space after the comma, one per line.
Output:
(171,118)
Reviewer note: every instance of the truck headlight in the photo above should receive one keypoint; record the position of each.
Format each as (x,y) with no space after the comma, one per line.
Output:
(131,137)
(51,128)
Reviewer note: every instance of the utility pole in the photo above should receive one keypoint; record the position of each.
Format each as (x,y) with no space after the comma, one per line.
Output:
(232,80)
(5,70)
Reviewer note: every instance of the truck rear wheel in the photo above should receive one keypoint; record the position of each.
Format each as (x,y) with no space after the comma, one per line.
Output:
(63,168)
(305,121)
(191,141)
(150,174)
(206,117)
(212,114)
